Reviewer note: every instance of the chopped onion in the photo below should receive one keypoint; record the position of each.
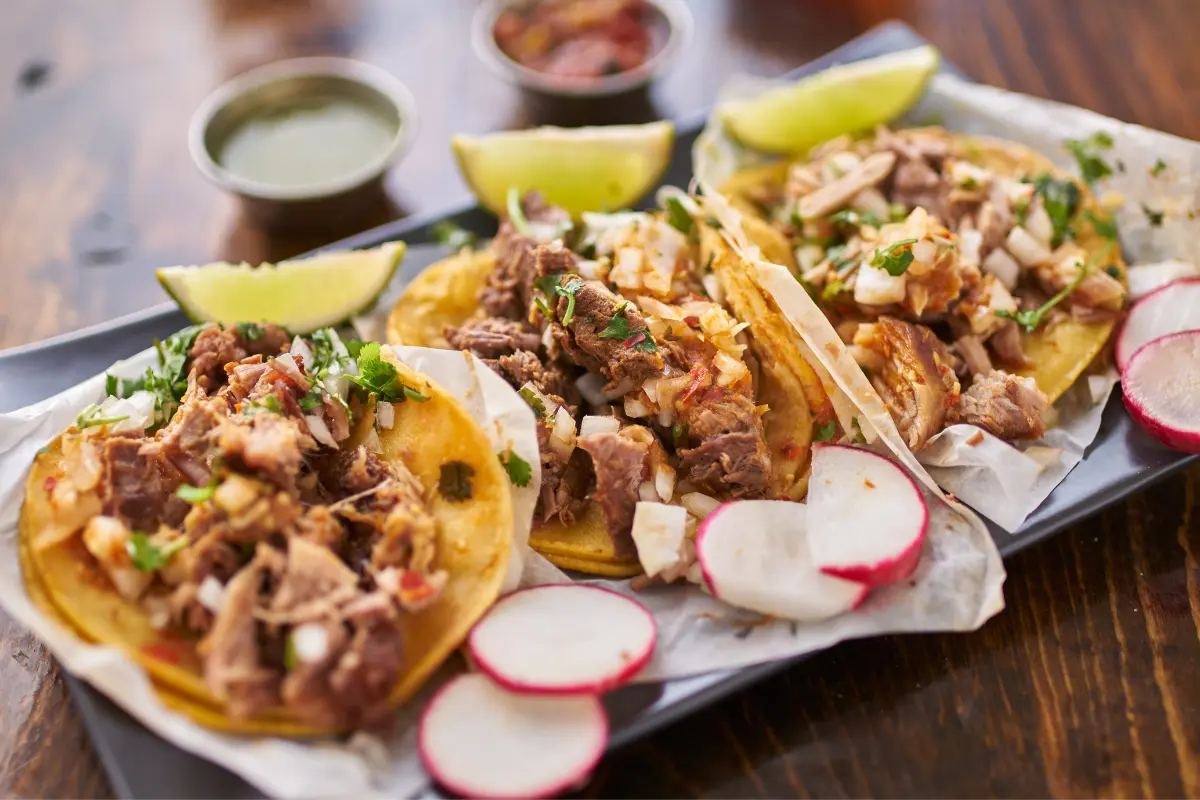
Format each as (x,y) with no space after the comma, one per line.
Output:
(699,505)
(712,287)
(564,431)
(310,642)
(385,415)
(320,431)
(591,386)
(82,461)
(286,365)
(594,423)
(664,482)
(809,256)
(1145,278)
(925,251)
(158,612)
(650,388)
(876,287)
(634,407)
(969,244)
(647,492)
(593,270)
(871,201)
(302,351)
(211,594)
(548,405)
(1038,223)
(235,494)
(1026,249)
(731,369)
(1002,265)
(658,533)
(372,443)
(627,268)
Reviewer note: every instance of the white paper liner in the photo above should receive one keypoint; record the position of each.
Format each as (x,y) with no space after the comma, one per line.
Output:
(1000,481)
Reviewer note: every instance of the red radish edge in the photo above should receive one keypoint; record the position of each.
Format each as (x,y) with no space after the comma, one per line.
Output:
(1120,352)
(898,567)
(1176,438)
(551,790)
(519,687)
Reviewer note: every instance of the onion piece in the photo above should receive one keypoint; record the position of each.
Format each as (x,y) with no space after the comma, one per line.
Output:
(564,431)
(310,642)
(1025,248)
(876,287)
(970,243)
(594,423)
(320,431)
(302,351)
(647,493)
(699,505)
(385,415)
(286,366)
(634,407)
(664,482)
(1003,266)
(211,594)
(591,386)
(712,287)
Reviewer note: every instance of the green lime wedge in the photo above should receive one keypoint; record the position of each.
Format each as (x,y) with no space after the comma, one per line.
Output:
(844,99)
(300,295)
(603,168)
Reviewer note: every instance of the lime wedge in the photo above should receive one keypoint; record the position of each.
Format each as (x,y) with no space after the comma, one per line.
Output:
(300,295)
(844,99)
(603,168)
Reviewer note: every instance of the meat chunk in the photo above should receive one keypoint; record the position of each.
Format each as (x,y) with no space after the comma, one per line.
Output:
(916,383)
(973,354)
(566,482)
(366,671)
(493,337)
(509,289)
(524,367)
(621,465)
(216,346)
(1004,405)
(267,444)
(624,360)
(137,487)
(189,442)
(313,585)
(737,464)
(1006,344)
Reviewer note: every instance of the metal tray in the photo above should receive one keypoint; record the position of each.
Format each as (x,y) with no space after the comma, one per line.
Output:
(1122,460)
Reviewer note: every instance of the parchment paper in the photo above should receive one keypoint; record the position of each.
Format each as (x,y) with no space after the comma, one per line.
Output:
(1002,482)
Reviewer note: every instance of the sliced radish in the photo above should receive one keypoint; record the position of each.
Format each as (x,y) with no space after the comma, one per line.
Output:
(754,555)
(1171,309)
(867,516)
(1161,384)
(478,740)
(563,639)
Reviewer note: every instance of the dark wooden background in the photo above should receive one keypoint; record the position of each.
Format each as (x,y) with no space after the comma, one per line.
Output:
(1086,686)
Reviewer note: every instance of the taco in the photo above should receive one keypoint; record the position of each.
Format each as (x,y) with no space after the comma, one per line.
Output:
(655,367)
(973,281)
(288,538)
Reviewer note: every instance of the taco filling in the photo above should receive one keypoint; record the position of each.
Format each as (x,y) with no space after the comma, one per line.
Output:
(640,378)
(232,495)
(968,278)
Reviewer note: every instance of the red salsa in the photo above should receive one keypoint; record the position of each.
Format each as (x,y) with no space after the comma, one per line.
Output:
(581,39)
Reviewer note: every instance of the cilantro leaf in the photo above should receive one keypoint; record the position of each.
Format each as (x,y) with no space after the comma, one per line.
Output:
(832,288)
(568,292)
(1159,168)
(679,218)
(895,258)
(147,556)
(198,494)
(1104,227)
(618,327)
(856,218)
(454,482)
(250,331)
(380,378)
(552,286)
(826,432)
(897,212)
(679,434)
(110,385)
(535,402)
(453,236)
(1155,218)
(518,469)
(269,404)
(516,214)
(314,398)
(1030,319)
(1061,200)
(90,418)
(643,341)
(1091,167)
(354,347)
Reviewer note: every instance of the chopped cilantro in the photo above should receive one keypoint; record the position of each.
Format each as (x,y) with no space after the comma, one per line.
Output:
(826,432)
(250,331)
(1061,200)
(618,327)
(679,218)
(289,654)
(90,418)
(1105,227)
(378,377)
(833,287)
(354,347)
(1091,167)
(454,483)
(970,183)
(451,235)
(568,291)
(535,402)
(518,469)
(1159,168)
(642,340)
(897,212)
(168,380)
(1030,319)
(679,434)
(856,218)
(198,494)
(147,556)
(110,385)
(833,254)
(1155,218)
(552,286)
(314,398)
(516,214)
(895,258)
(269,404)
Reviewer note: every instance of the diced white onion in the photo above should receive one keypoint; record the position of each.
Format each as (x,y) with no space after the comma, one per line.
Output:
(664,482)
(211,594)
(320,431)
(732,370)
(138,409)
(548,405)
(712,287)
(1145,278)
(302,351)
(286,365)
(871,201)
(809,255)
(158,612)
(627,268)
(594,423)
(658,533)
(310,642)
(593,270)
(372,443)
(699,505)
(1038,223)
(925,251)
(385,415)
(636,408)
(591,386)
(564,430)
(1003,266)
(647,492)
(838,165)
(969,244)
(1026,249)
(875,287)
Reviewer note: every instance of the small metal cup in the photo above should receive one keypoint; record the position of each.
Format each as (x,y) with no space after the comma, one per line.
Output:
(325,205)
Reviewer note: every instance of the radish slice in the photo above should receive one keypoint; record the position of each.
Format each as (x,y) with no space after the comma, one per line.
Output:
(1161,383)
(1171,309)
(478,740)
(868,517)
(563,639)
(754,555)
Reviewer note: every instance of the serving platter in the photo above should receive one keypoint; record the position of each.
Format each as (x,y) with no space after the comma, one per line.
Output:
(1121,461)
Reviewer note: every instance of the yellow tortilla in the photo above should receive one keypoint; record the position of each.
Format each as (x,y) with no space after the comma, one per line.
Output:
(473,547)
(1059,354)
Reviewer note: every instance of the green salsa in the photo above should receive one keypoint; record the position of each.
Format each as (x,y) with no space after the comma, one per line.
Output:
(313,141)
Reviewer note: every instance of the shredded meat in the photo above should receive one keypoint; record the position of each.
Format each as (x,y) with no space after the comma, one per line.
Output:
(138,487)
(566,483)
(509,289)
(973,354)
(731,456)
(524,367)
(216,346)
(1004,405)
(493,337)
(620,464)
(1006,344)
(620,360)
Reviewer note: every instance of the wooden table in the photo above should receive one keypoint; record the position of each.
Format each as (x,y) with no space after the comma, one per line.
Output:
(1087,684)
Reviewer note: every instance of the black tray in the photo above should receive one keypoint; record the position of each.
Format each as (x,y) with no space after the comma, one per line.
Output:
(1122,460)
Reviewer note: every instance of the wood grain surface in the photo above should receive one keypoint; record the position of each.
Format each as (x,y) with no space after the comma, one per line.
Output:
(1085,686)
